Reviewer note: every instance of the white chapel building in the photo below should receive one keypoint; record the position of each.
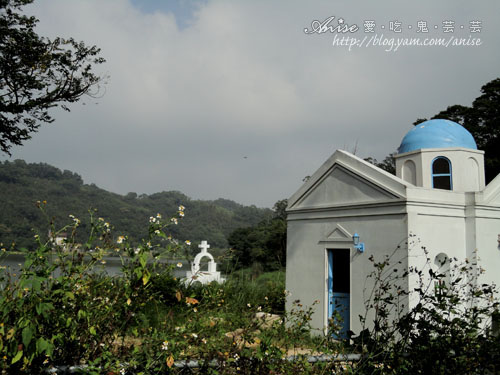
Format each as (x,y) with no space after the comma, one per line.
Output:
(437,200)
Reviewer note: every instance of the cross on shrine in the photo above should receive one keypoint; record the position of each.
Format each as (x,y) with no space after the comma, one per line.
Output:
(204,246)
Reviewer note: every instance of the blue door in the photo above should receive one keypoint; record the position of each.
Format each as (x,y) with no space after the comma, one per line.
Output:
(339,287)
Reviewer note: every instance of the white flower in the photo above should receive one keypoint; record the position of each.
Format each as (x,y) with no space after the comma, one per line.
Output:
(181,208)
(106,225)
(248,305)
(157,231)
(174,220)
(188,242)
(259,308)
(194,335)
(120,239)
(164,345)
(179,265)
(204,341)
(181,213)
(158,216)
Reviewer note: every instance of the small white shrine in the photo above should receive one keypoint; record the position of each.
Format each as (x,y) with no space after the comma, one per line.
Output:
(203,277)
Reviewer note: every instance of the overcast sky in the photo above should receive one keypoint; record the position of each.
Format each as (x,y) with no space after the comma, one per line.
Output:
(233,99)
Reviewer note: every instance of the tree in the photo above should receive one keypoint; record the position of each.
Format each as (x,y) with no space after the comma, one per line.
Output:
(37,74)
(264,243)
(482,119)
(388,164)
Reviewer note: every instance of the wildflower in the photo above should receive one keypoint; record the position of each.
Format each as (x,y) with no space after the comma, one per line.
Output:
(164,345)
(188,242)
(136,251)
(194,335)
(46,361)
(149,244)
(259,308)
(266,298)
(36,236)
(157,231)
(120,239)
(204,341)
(179,265)
(249,305)
(103,261)
(191,301)
(101,219)
(181,213)
(174,220)
(195,309)
(122,371)
(158,216)
(106,224)
(181,208)
(152,219)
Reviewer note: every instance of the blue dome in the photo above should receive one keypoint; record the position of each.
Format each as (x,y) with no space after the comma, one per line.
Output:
(437,134)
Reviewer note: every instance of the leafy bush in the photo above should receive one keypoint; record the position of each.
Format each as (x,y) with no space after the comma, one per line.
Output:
(446,331)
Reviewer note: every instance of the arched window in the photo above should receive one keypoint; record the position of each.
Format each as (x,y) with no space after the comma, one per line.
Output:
(441,173)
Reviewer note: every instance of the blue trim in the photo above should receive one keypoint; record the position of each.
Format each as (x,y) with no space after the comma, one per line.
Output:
(450,174)
(338,301)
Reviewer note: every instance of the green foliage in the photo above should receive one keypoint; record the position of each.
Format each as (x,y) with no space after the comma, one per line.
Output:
(482,119)
(24,184)
(445,331)
(62,311)
(262,245)
(388,164)
(37,74)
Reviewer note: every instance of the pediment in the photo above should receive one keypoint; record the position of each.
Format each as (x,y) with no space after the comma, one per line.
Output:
(337,234)
(340,186)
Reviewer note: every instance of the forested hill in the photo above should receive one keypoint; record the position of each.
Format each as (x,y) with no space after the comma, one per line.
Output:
(23,184)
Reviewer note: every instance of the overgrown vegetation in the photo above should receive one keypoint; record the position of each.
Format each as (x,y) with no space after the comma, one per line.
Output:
(60,311)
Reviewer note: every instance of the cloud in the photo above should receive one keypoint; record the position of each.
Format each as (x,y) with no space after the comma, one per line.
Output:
(184,106)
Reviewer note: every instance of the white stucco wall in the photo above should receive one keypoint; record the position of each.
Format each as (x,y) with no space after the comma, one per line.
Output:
(346,192)
(467,167)
(307,258)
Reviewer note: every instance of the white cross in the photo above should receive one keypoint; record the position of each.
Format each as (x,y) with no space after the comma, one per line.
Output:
(204,246)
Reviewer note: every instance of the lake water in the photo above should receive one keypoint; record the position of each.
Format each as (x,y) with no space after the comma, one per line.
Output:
(112,266)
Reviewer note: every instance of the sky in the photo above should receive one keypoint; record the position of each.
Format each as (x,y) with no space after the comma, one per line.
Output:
(243,99)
